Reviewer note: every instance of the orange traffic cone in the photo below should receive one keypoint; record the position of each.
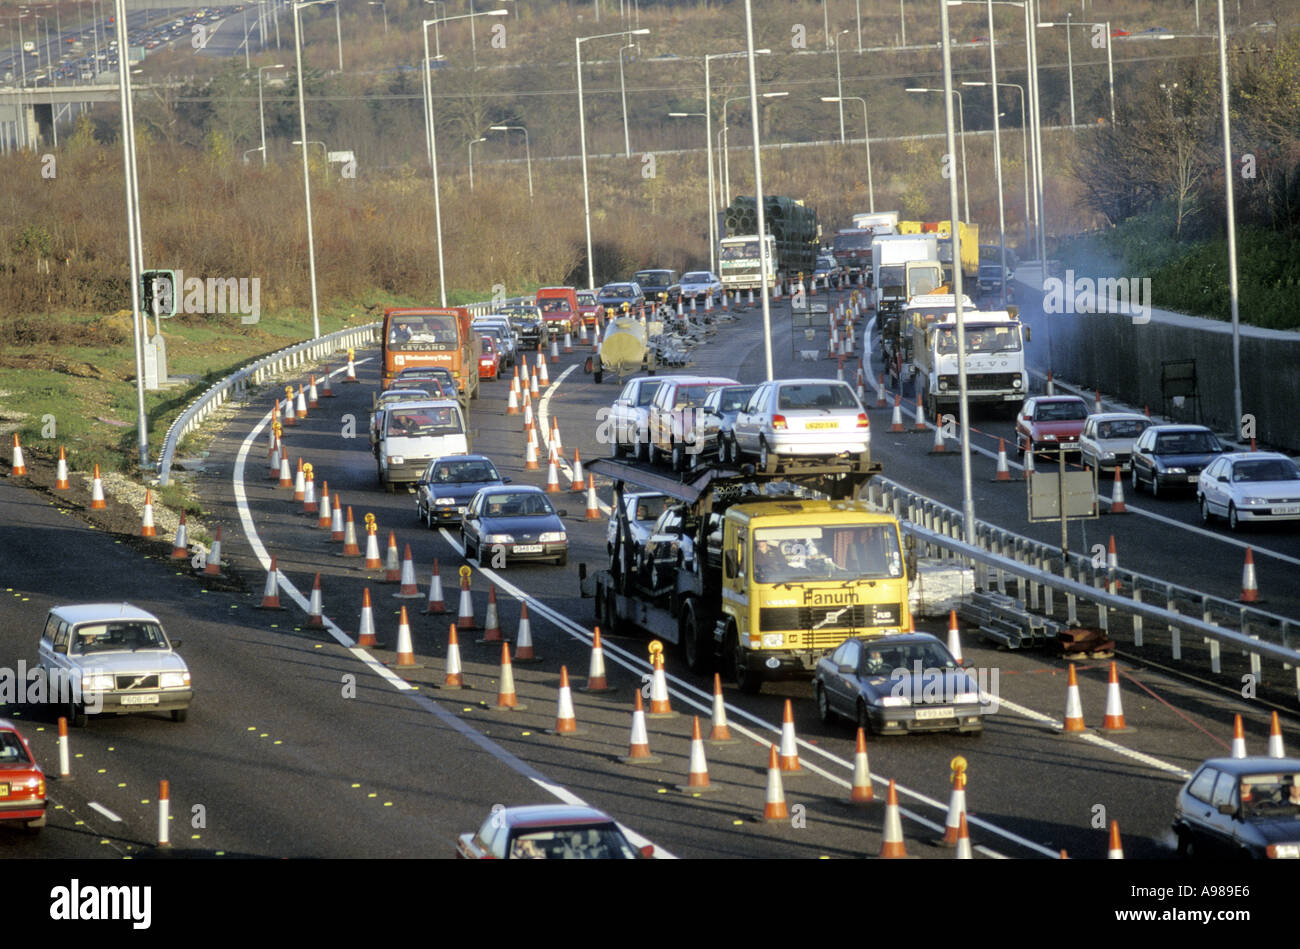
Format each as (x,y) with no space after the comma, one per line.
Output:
(880,392)
(1238,738)
(408,590)
(309,503)
(1249,589)
(352,370)
(312,397)
(659,704)
(1073,707)
(1117,495)
(939,448)
(299,482)
(506,697)
(593,506)
(271,593)
(366,628)
(596,679)
(435,604)
(566,723)
(465,609)
(455,677)
(956,809)
(720,733)
(350,547)
(405,653)
(61,475)
(963,840)
(919,425)
(954,638)
(896,423)
(512,402)
(392,566)
(300,407)
(698,777)
(1275,747)
(863,792)
(524,638)
(315,610)
(892,847)
(325,519)
(774,808)
(530,455)
(286,475)
(97,501)
(336,522)
(579,481)
(326,390)
(212,568)
(181,545)
(1116,851)
(552,476)
(1114,720)
(492,621)
(19,466)
(1004,471)
(372,548)
(789,746)
(146,521)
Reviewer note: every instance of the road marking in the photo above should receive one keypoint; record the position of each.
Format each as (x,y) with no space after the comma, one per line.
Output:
(398,683)
(542,416)
(95,805)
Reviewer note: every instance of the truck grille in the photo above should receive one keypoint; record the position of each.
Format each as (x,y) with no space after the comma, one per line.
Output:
(823,627)
(134,681)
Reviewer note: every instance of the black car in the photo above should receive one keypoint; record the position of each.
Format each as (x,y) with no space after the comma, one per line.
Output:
(449,483)
(526,320)
(439,382)
(1172,456)
(898,684)
(656,282)
(1240,807)
(616,294)
(513,523)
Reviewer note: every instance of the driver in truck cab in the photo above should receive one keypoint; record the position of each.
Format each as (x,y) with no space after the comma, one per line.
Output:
(768,561)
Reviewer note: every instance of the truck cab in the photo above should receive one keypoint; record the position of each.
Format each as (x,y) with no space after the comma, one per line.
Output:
(995,359)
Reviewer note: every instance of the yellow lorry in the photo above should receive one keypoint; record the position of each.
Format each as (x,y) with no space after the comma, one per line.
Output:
(969,236)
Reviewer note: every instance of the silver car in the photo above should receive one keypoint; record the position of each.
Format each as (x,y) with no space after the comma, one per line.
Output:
(499,328)
(701,285)
(802,417)
(643,509)
(1108,437)
(1249,487)
(626,427)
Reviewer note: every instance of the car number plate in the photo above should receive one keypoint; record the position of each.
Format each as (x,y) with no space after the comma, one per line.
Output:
(1193,478)
(528,548)
(925,714)
(140,700)
(1287,509)
(822,425)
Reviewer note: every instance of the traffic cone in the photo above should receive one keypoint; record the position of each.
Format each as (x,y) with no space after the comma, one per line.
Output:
(288,418)
(1117,495)
(512,403)
(1004,471)
(97,502)
(568,340)
(863,792)
(697,779)
(19,466)
(1238,738)
(392,565)
(435,604)
(350,548)
(1116,851)
(896,423)
(963,840)
(861,389)
(1249,589)
(579,481)
(596,680)
(366,628)
(492,621)
(880,392)
(372,548)
(454,677)
(273,462)
(720,733)
(146,520)
(1051,386)
(352,370)
(1096,402)
(528,415)
(660,707)
(181,545)
(593,507)
(1114,720)
(954,638)
(533,388)
(919,425)
(1073,707)
(326,518)
(408,590)
(61,475)
(789,746)
(299,482)
(315,610)
(892,847)
(271,592)
(506,697)
(956,809)
(1029,464)
(312,397)
(938,448)
(555,353)
(557,448)
(774,808)
(582,333)
(530,456)
(465,609)
(552,476)
(524,638)
(405,653)
(212,568)
(1112,565)
(286,473)
(309,503)
(566,723)
(326,389)
(1275,748)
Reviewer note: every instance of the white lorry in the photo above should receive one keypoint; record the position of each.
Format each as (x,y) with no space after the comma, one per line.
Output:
(995,354)
(903,265)
(739,265)
(877,222)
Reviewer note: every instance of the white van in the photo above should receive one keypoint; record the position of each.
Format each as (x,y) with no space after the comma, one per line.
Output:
(411,434)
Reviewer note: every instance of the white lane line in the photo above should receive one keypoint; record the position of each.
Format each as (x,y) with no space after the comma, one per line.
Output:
(704,703)
(398,683)
(95,805)
(542,415)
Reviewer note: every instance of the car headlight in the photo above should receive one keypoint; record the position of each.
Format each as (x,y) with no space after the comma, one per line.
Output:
(1175,471)
(97,682)
(1108,455)
(962,697)
(553,537)
(1284,851)
(1049,437)
(893,701)
(1255,501)
(444,500)
(175,680)
(498,539)
(396,460)
(773,640)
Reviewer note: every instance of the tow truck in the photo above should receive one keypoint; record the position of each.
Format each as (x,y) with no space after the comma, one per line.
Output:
(783,565)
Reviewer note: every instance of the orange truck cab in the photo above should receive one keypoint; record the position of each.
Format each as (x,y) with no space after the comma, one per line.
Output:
(431,336)
(559,306)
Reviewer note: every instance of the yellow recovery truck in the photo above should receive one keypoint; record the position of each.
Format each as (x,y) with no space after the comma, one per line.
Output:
(760,584)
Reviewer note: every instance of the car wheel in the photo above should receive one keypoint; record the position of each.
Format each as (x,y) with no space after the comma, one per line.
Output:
(180,714)
(654,454)
(615,449)
(639,450)
(864,718)
(677,458)
(471,553)
(33,827)
(562,560)
(1234,522)
(1206,516)
(725,448)
(1137,482)
(1186,844)
(1155,484)
(824,705)
(763,457)
(76,715)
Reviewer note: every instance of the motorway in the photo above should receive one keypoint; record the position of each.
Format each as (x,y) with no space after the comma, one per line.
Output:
(300,745)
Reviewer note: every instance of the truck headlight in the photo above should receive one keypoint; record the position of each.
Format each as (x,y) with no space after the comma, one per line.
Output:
(396,460)
(773,640)
(175,680)
(97,682)
(1015,383)
(553,537)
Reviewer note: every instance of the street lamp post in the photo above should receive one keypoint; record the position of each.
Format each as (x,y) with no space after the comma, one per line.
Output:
(1069,55)
(1110,62)
(839,84)
(708,149)
(324,153)
(622,88)
(1024,145)
(582,135)
(961,115)
(1228,172)
(708,132)
(261,113)
(764,265)
(384,9)
(470,147)
(306,176)
(866,138)
(528,155)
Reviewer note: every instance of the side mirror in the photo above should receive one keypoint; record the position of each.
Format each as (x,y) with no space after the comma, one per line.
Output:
(1028,333)
(177,643)
(1228,809)
(846,670)
(505,480)
(729,564)
(1223,479)
(422,483)
(562,512)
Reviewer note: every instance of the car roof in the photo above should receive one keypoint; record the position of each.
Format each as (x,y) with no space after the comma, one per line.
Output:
(404,395)
(1235,456)
(1118,417)
(547,814)
(86,612)
(1256,764)
(1058,398)
(1183,427)
(520,489)
(462,458)
(897,639)
(425,404)
(698,380)
(809,381)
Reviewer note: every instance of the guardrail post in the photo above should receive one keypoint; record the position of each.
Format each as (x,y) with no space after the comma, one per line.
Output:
(1101,581)
(1001,551)
(1175,637)
(1137,619)
(1071,601)
(1207,616)
(1049,598)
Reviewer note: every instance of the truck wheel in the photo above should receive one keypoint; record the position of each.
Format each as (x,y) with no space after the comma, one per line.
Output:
(696,649)
(747,681)
(597,376)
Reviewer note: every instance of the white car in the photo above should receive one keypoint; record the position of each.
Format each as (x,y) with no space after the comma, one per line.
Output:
(1246,487)
(413,433)
(701,285)
(803,417)
(1108,437)
(115,659)
(643,509)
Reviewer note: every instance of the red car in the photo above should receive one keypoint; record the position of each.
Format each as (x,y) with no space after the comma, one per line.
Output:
(489,360)
(588,309)
(1049,421)
(1119,32)
(549,832)
(22,782)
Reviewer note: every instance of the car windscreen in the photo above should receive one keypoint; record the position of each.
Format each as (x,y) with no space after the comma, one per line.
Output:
(426,333)
(554,305)
(879,659)
(570,843)
(586,298)
(698,276)
(1060,412)
(796,554)
(733,400)
(618,290)
(423,422)
(891,276)
(816,395)
(745,251)
(649,509)
(464,472)
(124,636)
(652,278)
(516,505)
(853,241)
(1186,443)
(1278,469)
(12,750)
(1123,428)
(921,281)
